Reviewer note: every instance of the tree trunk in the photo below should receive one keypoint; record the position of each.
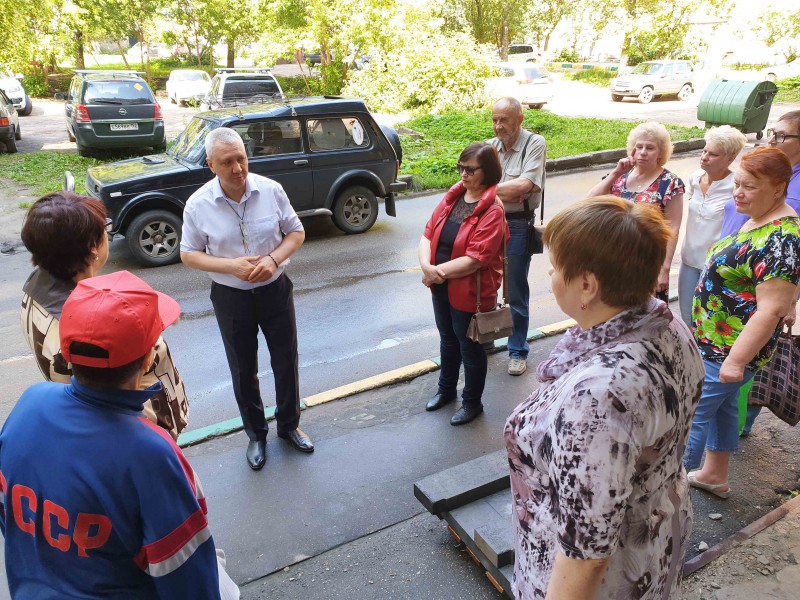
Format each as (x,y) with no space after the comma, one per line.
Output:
(231,53)
(79,59)
(504,39)
(122,54)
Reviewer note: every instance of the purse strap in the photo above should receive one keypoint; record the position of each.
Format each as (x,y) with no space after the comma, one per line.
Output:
(505,272)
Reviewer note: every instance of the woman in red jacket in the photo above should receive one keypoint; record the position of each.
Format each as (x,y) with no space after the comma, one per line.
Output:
(464,235)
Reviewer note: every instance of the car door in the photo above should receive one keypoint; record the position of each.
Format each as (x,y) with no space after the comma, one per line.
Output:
(666,80)
(275,150)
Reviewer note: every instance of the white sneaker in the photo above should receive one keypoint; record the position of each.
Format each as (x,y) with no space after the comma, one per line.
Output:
(517,366)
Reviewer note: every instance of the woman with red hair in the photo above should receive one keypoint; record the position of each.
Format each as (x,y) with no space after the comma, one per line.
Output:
(747,287)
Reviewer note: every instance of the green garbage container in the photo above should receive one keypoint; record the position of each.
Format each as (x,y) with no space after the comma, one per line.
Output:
(741,104)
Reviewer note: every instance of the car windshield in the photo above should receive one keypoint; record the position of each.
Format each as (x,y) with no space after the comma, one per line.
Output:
(246,88)
(117,92)
(647,68)
(190,144)
(192,76)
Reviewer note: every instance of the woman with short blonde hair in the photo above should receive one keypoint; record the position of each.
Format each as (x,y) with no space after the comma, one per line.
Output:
(709,189)
(599,496)
(641,177)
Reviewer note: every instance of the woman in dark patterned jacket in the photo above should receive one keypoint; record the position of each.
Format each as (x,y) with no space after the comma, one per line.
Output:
(599,495)
(66,236)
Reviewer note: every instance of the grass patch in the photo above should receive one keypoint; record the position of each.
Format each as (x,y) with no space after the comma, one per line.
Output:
(593,76)
(44,171)
(788,90)
(431,161)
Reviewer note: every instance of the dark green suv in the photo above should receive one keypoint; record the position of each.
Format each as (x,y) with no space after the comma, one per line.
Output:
(329,154)
(112,109)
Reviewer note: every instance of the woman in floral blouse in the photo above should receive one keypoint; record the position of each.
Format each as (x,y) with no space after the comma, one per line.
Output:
(747,287)
(641,177)
(599,495)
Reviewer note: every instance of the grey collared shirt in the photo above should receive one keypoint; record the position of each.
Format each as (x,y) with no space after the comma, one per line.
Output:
(531,168)
(211,224)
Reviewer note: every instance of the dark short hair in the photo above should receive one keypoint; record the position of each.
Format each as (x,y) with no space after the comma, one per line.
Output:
(622,243)
(60,231)
(487,158)
(771,164)
(112,378)
(793,117)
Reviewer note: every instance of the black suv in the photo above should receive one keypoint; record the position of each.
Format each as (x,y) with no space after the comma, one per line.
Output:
(329,155)
(112,109)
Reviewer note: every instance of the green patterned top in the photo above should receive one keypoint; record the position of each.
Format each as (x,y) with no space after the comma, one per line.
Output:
(725,296)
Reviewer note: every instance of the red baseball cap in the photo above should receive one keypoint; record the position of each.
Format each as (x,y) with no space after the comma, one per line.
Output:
(119,314)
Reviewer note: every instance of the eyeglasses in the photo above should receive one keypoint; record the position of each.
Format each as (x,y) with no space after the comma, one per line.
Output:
(779,136)
(466,169)
(109,225)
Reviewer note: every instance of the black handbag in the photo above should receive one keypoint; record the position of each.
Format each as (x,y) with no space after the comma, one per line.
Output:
(486,327)
(534,239)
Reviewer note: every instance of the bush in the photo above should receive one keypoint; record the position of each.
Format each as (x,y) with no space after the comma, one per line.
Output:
(36,85)
(788,90)
(594,76)
(566,55)
(296,85)
(431,72)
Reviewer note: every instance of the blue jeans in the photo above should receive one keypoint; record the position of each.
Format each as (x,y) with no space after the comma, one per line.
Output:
(687,281)
(716,421)
(455,348)
(519,262)
(752,412)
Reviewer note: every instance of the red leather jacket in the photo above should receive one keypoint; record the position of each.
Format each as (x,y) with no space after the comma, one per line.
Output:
(480,237)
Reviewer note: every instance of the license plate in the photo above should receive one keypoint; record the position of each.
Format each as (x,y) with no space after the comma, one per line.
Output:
(124,126)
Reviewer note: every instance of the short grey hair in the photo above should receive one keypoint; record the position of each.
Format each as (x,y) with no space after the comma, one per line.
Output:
(221,135)
(511,103)
(656,132)
(726,139)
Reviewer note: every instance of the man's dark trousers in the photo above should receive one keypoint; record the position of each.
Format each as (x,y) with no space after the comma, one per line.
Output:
(240,313)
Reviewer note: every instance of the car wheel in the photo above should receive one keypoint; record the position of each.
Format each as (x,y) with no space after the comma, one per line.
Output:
(154,238)
(84,151)
(759,135)
(685,93)
(536,106)
(646,95)
(174,99)
(28,108)
(18,133)
(160,148)
(11,145)
(355,210)
(616,97)
(772,77)
(69,135)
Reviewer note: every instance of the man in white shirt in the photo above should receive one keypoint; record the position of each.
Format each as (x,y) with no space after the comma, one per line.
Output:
(241,229)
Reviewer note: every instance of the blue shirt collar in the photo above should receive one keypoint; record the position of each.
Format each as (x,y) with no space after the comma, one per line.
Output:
(113,399)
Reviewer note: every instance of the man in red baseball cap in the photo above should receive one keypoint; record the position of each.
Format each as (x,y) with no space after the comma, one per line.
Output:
(95,500)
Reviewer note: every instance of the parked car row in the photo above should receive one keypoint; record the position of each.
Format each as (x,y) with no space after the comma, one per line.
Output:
(11,84)
(10,132)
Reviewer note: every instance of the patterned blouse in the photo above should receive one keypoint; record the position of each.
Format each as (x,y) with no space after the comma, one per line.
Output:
(725,296)
(661,191)
(595,455)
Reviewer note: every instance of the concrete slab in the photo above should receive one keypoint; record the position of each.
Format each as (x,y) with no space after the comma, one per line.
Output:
(462,484)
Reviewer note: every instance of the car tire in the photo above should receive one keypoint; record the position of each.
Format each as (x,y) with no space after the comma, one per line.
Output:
(646,95)
(11,145)
(160,148)
(355,209)
(759,135)
(84,151)
(772,77)
(616,97)
(28,108)
(685,93)
(538,106)
(394,140)
(18,133)
(154,238)
(70,136)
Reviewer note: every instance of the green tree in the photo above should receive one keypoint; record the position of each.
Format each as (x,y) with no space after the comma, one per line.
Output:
(782,26)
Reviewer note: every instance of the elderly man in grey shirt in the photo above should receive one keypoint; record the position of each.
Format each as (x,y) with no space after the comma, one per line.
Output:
(241,229)
(522,156)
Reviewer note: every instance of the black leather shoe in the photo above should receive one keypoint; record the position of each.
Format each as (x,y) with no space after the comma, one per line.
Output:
(257,454)
(438,401)
(299,440)
(465,414)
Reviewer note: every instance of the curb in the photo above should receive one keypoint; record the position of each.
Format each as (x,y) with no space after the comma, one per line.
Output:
(744,534)
(400,375)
